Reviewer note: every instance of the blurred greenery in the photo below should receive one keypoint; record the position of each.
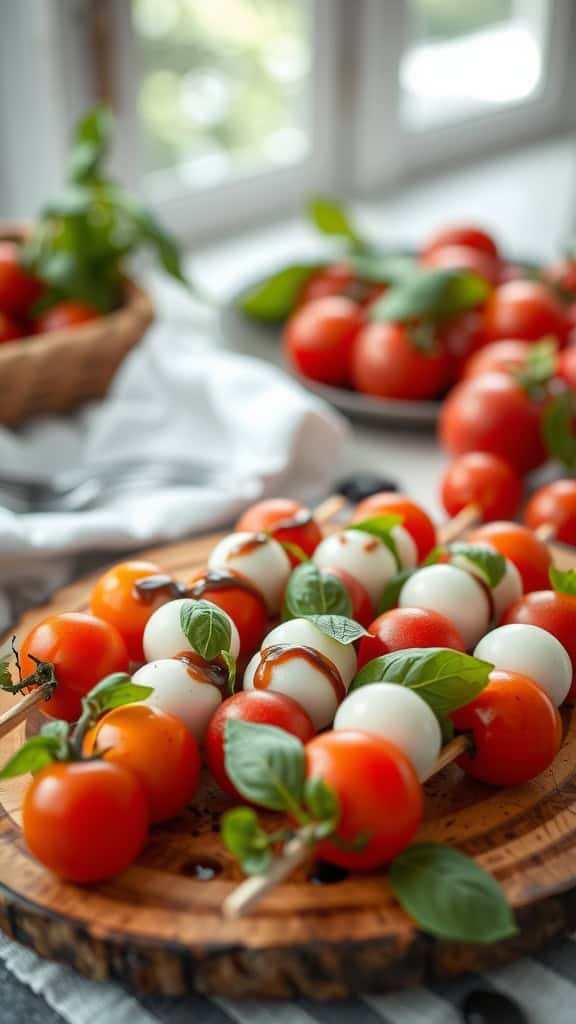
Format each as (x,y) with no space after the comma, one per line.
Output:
(446,19)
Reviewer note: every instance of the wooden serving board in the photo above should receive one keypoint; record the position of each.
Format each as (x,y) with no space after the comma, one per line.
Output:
(158,927)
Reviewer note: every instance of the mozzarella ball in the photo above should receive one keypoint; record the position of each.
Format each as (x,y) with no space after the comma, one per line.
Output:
(362,555)
(452,592)
(405,546)
(164,637)
(532,652)
(301,631)
(183,691)
(260,559)
(399,715)
(508,590)
(296,676)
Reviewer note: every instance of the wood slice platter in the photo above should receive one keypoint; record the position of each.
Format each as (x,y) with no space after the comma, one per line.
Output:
(157,927)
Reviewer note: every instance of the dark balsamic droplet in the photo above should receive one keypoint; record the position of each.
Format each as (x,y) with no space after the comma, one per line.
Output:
(362,485)
(326,874)
(484,1007)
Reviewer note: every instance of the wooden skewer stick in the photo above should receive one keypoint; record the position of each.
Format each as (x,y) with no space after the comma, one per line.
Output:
(249,893)
(329,508)
(468,517)
(545,532)
(11,718)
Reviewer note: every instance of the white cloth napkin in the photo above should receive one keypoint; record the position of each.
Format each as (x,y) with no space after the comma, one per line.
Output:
(222,429)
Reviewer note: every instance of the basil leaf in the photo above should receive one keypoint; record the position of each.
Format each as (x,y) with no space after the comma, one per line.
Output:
(57,728)
(313,592)
(206,627)
(243,836)
(292,549)
(558,430)
(563,582)
(265,764)
(331,218)
(431,294)
(92,139)
(36,753)
(392,590)
(450,895)
(322,802)
(276,296)
(380,267)
(445,679)
(540,366)
(339,627)
(230,663)
(487,563)
(381,527)
(114,691)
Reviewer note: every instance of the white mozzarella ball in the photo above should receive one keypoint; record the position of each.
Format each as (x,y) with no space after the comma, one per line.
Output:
(405,546)
(164,637)
(508,590)
(532,652)
(180,690)
(362,555)
(452,592)
(301,631)
(298,678)
(399,715)
(260,559)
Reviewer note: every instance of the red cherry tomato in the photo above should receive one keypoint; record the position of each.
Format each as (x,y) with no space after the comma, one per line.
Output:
(286,520)
(65,314)
(524,309)
(240,599)
(414,519)
(494,414)
(567,366)
(387,363)
(19,289)
(264,707)
(116,600)
(515,727)
(401,628)
(464,257)
(562,275)
(484,480)
(462,234)
(554,612)
(154,746)
(498,357)
(554,503)
(319,339)
(362,607)
(462,336)
(529,554)
(85,820)
(378,792)
(332,280)
(10,329)
(82,649)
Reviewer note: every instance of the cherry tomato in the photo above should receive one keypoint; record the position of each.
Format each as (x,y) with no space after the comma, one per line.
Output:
(529,554)
(554,612)
(19,289)
(240,599)
(319,339)
(567,366)
(388,364)
(494,414)
(485,480)
(414,519)
(116,600)
(462,234)
(362,607)
(332,280)
(264,707)
(154,746)
(82,649)
(10,329)
(464,257)
(286,520)
(498,357)
(516,730)
(401,628)
(562,275)
(65,314)
(554,503)
(378,791)
(524,309)
(462,336)
(85,820)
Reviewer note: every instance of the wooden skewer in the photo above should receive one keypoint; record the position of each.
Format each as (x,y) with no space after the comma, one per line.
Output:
(468,517)
(249,893)
(11,718)
(329,508)
(545,532)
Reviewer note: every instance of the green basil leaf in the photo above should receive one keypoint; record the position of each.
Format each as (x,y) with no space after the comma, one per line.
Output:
(91,142)
(276,296)
(114,691)
(486,563)
(331,218)
(563,582)
(293,549)
(265,764)
(392,590)
(450,895)
(313,592)
(432,294)
(381,527)
(558,429)
(36,753)
(230,663)
(540,366)
(206,627)
(339,627)
(322,802)
(381,268)
(243,836)
(446,728)
(57,728)
(445,679)
(151,231)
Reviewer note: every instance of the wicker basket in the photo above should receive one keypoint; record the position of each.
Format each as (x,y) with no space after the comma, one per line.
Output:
(52,373)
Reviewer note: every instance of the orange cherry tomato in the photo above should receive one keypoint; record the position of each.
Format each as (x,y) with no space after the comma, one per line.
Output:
(484,480)
(319,338)
(505,356)
(83,650)
(400,628)
(157,747)
(116,600)
(285,520)
(554,503)
(554,612)
(362,607)
(529,554)
(85,820)
(516,730)
(524,309)
(65,314)
(414,519)
(239,598)
(469,235)
(10,329)
(387,363)
(378,791)
(19,289)
(464,257)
